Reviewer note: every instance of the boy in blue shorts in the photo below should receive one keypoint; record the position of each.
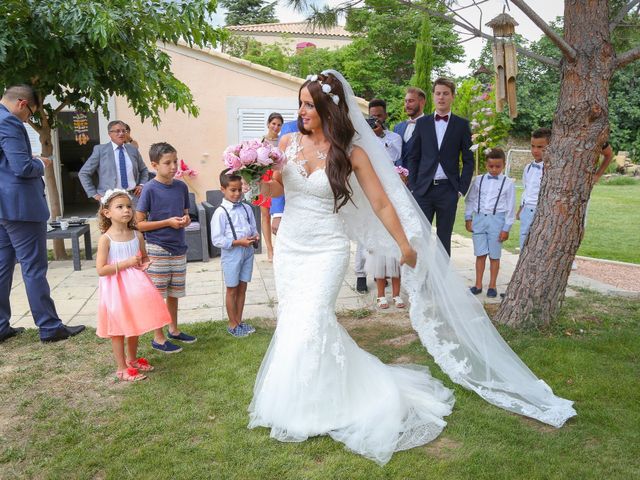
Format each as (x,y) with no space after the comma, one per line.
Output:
(233,230)
(162,214)
(489,214)
(531,180)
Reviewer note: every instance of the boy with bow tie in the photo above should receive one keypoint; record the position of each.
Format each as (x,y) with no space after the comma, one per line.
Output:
(489,214)
(531,179)
(234,231)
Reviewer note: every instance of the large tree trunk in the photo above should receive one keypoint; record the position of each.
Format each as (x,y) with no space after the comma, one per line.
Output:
(44,131)
(580,127)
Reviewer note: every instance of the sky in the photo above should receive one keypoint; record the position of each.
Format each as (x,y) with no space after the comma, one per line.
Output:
(547,9)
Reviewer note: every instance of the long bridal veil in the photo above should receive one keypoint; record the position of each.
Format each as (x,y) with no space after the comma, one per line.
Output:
(449,320)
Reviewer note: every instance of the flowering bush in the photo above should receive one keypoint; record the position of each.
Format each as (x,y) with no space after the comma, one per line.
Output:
(476,102)
(185,171)
(251,160)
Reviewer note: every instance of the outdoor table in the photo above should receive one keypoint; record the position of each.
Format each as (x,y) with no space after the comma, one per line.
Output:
(74,234)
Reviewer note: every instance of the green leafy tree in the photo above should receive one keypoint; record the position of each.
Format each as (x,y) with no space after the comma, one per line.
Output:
(249,12)
(82,53)
(423,62)
(380,61)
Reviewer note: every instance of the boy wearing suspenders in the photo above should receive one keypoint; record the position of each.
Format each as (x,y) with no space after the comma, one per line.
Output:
(489,214)
(234,231)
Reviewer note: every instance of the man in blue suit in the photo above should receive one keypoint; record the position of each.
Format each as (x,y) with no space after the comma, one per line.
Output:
(438,143)
(414,102)
(23,219)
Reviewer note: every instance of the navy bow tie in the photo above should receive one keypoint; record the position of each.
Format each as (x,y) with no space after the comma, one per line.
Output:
(236,204)
(491,177)
(535,165)
(442,117)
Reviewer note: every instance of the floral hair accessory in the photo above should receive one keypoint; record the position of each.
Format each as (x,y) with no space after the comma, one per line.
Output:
(326,88)
(112,192)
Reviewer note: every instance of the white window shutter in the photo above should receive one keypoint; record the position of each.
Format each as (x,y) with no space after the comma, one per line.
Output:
(252,122)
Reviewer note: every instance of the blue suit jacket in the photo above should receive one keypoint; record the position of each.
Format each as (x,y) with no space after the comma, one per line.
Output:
(424,156)
(22,195)
(400,128)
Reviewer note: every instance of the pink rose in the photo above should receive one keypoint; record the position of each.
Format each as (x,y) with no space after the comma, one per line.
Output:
(248,156)
(263,156)
(232,162)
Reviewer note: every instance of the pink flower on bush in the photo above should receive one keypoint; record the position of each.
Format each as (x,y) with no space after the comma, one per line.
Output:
(185,171)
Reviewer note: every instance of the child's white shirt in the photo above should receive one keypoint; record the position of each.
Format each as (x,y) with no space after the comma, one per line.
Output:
(488,193)
(244,223)
(531,179)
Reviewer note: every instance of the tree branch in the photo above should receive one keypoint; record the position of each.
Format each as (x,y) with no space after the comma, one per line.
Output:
(552,62)
(560,42)
(627,57)
(59,108)
(622,13)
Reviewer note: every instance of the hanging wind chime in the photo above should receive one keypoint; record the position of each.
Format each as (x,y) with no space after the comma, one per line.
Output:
(505,62)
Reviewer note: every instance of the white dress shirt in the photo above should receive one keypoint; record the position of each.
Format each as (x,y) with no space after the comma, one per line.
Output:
(243,220)
(392,143)
(408,133)
(127,160)
(441,128)
(531,179)
(488,194)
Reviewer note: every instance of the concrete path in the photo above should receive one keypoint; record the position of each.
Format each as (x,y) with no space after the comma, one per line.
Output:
(76,292)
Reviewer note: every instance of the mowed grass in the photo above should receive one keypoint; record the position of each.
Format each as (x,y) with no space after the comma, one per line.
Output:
(64,417)
(613,222)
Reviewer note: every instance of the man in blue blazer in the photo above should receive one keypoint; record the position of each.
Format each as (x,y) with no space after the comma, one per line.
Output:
(414,102)
(23,219)
(118,164)
(435,179)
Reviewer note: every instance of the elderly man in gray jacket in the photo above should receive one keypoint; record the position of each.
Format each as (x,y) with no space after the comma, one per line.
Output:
(118,164)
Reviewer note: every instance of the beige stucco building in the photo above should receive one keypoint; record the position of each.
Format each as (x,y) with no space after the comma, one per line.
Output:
(293,34)
(234,96)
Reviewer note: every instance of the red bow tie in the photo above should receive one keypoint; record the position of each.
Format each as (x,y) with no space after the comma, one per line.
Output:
(442,117)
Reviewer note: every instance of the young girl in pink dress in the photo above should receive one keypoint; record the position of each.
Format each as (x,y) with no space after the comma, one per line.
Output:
(129,303)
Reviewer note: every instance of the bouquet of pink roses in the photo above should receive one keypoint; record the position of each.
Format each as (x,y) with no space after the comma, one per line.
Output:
(252,159)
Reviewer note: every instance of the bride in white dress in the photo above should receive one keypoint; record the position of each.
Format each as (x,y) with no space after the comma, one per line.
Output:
(314,379)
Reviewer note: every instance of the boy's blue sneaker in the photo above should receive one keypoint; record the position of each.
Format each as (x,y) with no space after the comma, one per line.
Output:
(183,337)
(166,347)
(247,328)
(475,290)
(237,332)
(492,293)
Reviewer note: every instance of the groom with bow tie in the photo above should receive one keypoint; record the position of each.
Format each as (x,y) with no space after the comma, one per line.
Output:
(438,143)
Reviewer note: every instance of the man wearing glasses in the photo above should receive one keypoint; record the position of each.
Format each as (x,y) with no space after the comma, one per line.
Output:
(118,164)
(23,219)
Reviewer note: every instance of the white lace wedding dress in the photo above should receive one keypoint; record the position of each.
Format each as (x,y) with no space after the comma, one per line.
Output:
(314,379)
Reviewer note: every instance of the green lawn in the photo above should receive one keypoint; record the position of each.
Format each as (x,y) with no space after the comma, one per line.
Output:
(613,224)
(63,416)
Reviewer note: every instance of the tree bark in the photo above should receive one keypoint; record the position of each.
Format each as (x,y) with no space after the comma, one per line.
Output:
(580,127)
(44,131)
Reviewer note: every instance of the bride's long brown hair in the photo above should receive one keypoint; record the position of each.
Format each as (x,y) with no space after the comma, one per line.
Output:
(338,130)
